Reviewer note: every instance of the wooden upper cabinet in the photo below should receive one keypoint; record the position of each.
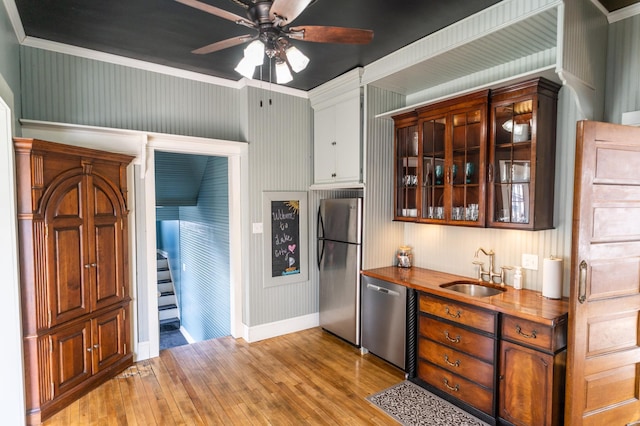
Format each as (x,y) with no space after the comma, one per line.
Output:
(72,219)
(522,153)
(440,161)
(483,159)
(406,167)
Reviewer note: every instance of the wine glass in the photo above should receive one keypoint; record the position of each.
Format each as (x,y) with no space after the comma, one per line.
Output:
(468,172)
(439,174)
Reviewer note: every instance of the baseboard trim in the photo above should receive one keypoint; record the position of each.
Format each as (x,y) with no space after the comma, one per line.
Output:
(279,328)
(186,335)
(142,351)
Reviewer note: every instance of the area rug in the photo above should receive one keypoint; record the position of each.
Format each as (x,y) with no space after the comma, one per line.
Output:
(412,405)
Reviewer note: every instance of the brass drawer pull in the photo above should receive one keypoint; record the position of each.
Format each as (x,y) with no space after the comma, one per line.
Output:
(525,335)
(453,364)
(455,388)
(456,315)
(456,340)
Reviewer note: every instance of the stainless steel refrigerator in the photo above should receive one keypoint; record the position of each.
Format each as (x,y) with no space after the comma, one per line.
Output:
(339,261)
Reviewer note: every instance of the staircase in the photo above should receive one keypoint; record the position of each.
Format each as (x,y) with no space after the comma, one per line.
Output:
(168,311)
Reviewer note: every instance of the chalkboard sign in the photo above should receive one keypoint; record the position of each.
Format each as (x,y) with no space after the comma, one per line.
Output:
(285,237)
(285,232)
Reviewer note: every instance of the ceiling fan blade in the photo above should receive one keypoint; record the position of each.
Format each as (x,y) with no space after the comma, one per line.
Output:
(288,10)
(218,12)
(322,34)
(220,45)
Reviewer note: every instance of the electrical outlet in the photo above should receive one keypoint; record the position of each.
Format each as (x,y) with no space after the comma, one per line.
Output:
(530,261)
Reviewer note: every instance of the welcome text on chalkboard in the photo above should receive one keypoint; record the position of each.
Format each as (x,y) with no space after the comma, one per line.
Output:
(285,235)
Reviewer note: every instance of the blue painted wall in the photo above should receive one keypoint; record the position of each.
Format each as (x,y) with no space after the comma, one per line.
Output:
(198,238)
(204,248)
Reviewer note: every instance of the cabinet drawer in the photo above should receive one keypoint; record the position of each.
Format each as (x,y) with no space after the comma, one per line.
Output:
(545,337)
(459,312)
(458,338)
(457,362)
(456,386)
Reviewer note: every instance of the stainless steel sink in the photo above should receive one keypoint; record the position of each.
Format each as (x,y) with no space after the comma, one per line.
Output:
(474,288)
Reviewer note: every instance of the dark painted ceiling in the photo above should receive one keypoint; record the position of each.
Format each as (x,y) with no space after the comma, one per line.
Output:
(165,31)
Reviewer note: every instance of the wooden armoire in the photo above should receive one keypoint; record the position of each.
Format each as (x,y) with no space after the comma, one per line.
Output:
(74,272)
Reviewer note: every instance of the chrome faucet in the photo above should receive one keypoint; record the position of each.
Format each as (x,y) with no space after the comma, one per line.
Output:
(491,274)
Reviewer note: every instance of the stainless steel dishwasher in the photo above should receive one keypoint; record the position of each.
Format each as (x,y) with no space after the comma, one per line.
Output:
(384,319)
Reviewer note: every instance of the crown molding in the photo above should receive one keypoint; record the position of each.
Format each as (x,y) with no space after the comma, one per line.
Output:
(624,13)
(620,14)
(14,17)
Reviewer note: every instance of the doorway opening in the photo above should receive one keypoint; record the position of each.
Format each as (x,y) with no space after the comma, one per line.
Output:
(192,238)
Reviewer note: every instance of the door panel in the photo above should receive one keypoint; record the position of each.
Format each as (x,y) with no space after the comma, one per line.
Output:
(603,352)
(108,235)
(109,339)
(525,375)
(71,361)
(67,276)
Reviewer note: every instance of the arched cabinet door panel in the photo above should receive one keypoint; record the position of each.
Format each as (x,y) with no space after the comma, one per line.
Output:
(68,275)
(108,239)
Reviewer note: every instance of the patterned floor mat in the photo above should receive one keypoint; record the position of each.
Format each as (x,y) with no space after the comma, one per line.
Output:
(412,405)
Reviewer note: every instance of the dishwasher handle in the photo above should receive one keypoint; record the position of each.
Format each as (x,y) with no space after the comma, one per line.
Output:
(382,290)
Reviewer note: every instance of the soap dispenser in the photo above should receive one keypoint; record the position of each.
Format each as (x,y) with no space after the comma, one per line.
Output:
(517,278)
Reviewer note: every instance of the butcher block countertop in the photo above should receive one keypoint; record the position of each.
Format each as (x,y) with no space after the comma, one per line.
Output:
(526,304)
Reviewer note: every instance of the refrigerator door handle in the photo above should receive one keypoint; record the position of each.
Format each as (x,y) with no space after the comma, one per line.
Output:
(320,252)
(319,226)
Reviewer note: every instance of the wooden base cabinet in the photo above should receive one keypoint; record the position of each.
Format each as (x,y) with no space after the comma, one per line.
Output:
(532,369)
(74,278)
(456,353)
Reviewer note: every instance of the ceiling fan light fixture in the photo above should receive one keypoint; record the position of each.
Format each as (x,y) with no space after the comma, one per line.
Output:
(246,68)
(254,53)
(297,59)
(283,74)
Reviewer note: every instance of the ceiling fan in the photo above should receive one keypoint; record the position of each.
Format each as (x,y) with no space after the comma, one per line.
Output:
(271,19)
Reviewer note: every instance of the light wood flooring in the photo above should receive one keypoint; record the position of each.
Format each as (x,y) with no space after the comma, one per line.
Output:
(309,377)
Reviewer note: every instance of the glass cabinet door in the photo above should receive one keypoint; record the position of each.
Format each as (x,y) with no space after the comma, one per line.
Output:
(466,167)
(434,169)
(407,172)
(512,162)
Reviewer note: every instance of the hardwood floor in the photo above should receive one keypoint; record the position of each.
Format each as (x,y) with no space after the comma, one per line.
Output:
(309,377)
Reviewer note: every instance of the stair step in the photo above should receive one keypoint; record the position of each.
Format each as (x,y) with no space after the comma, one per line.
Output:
(163,275)
(167,293)
(168,314)
(166,307)
(167,300)
(165,287)
(168,280)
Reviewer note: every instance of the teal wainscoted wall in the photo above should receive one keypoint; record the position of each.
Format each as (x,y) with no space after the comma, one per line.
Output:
(64,88)
(623,69)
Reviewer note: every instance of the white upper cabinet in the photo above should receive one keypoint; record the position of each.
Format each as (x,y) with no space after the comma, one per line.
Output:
(337,135)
